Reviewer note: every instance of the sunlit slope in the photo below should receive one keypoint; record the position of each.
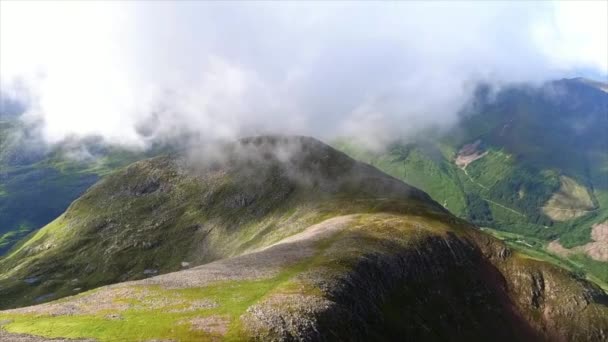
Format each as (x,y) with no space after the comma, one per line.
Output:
(159,214)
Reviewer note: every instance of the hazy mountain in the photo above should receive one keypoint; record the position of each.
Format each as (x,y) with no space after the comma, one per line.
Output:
(38,181)
(529,162)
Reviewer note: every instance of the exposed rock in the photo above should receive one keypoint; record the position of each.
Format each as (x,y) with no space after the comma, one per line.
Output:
(113,316)
(469,153)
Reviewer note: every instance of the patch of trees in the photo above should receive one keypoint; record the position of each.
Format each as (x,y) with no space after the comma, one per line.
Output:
(527,191)
(478,210)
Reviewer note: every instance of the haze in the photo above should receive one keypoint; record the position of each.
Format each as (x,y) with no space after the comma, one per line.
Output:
(136,72)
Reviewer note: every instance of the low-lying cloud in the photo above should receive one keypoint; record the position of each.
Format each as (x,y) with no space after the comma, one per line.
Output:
(138,72)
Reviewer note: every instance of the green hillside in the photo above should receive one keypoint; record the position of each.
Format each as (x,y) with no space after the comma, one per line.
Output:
(527,162)
(279,238)
(38,182)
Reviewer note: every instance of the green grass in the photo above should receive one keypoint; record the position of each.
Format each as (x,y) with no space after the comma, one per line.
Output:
(380,235)
(13,236)
(494,167)
(109,161)
(142,322)
(500,190)
(412,164)
(117,229)
(595,271)
(38,184)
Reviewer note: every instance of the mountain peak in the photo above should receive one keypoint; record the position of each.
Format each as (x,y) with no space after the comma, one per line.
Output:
(224,197)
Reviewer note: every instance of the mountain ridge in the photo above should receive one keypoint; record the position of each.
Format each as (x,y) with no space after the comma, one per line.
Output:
(343,252)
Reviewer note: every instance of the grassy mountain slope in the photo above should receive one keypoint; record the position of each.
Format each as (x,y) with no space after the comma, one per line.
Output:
(37,182)
(533,162)
(158,213)
(295,241)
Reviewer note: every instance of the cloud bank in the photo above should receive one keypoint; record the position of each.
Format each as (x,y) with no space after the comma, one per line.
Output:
(136,72)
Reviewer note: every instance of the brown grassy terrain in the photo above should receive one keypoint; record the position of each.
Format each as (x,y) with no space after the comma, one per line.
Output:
(596,250)
(572,200)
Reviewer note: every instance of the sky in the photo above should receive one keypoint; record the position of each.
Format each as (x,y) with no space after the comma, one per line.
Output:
(138,72)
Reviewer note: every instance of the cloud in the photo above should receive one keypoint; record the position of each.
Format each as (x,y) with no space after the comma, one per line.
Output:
(136,72)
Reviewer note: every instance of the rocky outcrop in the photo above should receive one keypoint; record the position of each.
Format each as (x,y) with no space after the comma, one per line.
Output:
(444,290)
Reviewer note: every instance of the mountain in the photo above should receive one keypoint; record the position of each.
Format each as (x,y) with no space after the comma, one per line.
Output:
(155,214)
(38,181)
(280,238)
(529,164)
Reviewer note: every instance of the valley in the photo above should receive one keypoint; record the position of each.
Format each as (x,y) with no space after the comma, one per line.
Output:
(505,167)
(37,182)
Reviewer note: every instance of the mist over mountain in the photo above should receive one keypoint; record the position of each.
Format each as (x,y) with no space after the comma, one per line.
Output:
(529,164)
(303,171)
(137,73)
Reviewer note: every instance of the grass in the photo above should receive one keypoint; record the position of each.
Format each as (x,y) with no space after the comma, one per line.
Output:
(595,270)
(501,166)
(11,237)
(572,200)
(37,185)
(581,265)
(501,191)
(36,196)
(143,322)
(412,165)
(158,313)
(120,227)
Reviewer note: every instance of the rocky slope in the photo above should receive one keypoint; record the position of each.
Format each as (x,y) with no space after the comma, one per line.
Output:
(277,238)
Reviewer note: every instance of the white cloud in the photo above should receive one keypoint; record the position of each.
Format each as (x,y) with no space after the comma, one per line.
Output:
(224,69)
(576,34)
